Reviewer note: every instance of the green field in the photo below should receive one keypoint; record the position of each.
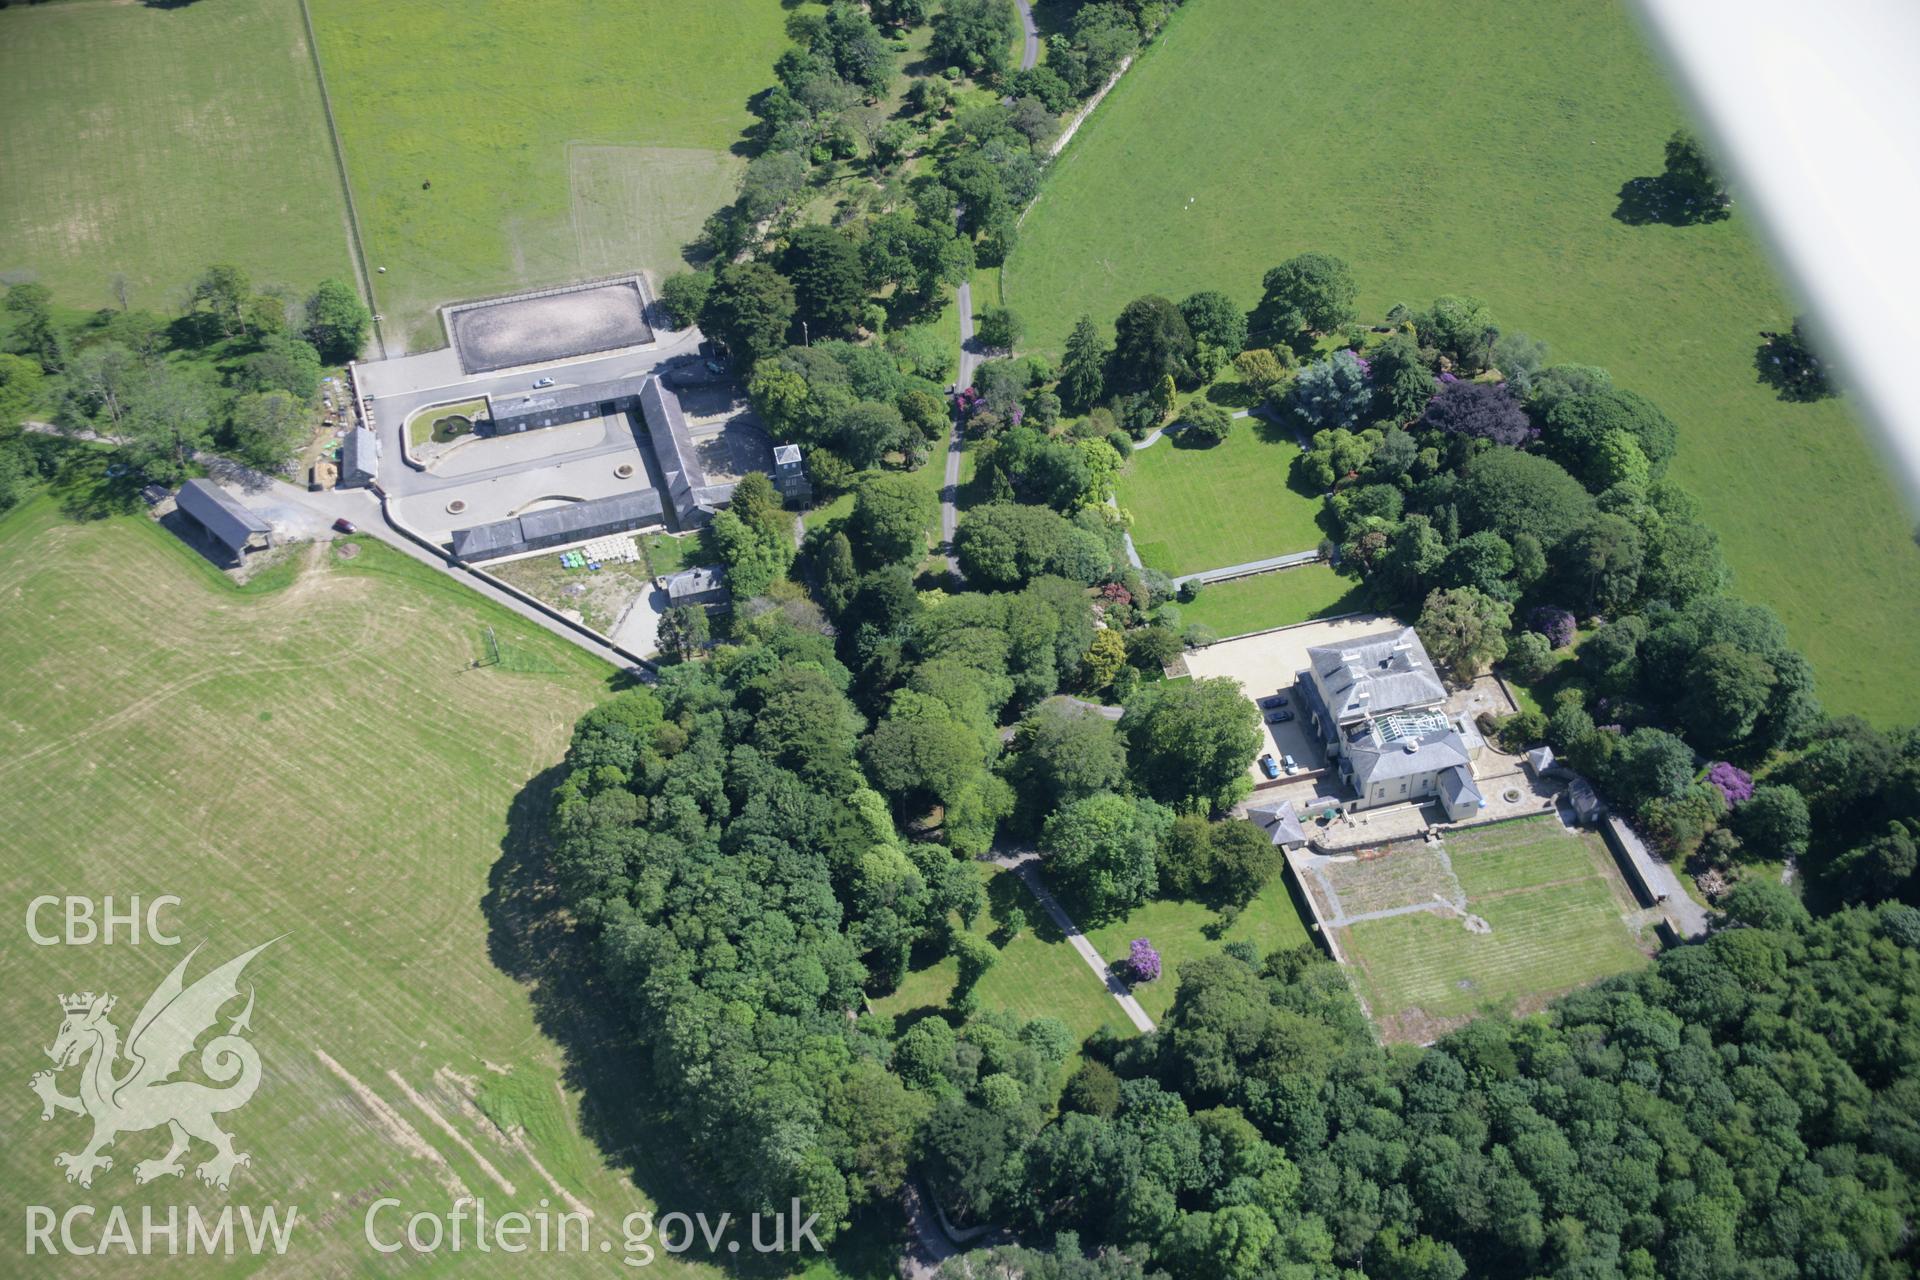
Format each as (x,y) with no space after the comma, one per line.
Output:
(150,141)
(1480,147)
(1275,599)
(312,757)
(1180,931)
(1207,508)
(1555,906)
(561,140)
(1037,974)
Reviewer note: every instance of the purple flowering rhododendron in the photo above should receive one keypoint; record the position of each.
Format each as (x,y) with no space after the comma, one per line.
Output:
(1144,961)
(1735,783)
(1555,624)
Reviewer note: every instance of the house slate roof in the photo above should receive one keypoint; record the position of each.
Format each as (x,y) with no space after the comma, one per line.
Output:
(1376,674)
(1456,788)
(220,513)
(1279,821)
(1373,761)
(360,456)
(696,581)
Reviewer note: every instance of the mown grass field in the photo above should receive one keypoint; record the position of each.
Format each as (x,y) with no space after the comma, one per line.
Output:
(1206,508)
(313,758)
(1276,599)
(1480,148)
(1185,931)
(560,140)
(1557,914)
(151,141)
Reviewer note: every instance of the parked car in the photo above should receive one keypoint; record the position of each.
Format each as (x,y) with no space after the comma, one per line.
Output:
(1279,717)
(1268,767)
(543,382)
(344,525)
(1288,763)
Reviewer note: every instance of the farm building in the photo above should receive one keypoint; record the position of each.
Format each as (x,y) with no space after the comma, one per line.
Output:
(223,517)
(550,408)
(574,522)
(694,500)
(359,458)
(706,584)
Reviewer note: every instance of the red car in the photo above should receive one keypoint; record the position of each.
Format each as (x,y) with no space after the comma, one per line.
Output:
(344,525)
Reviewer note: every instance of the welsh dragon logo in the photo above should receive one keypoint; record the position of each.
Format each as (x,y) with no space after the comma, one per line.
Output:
(142,1094)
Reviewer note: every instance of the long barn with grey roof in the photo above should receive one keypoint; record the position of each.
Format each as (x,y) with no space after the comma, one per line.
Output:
(554,526)
(224,517)
(694,500)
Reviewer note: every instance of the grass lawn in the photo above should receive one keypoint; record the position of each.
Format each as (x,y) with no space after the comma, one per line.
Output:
(1557,916)
(150,141)
(562,140)
(311,757)
(1275,599)
(1496,172)
(1206,508)
(669,553)
(444,424)
(1036,974)
(1184,931)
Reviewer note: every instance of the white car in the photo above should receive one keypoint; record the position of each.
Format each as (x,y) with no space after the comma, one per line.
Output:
(544,382)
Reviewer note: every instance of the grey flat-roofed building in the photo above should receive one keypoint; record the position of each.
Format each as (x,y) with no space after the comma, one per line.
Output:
(359,458)
(705,584)
(575,522)
(222,516)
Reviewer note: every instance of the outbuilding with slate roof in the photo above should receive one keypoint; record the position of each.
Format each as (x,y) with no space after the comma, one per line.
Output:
(224,518)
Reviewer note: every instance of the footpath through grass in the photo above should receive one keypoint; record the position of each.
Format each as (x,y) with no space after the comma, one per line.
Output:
(1184,931)
(1035,975)
(1493,166)
(496,145)
(315,760)
(151,141)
